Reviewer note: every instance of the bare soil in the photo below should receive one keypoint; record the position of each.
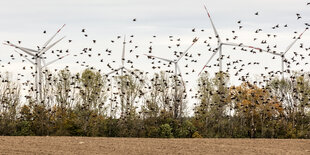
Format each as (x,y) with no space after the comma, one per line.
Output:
(90,145)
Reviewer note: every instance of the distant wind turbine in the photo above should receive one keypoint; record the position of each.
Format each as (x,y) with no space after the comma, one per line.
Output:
(176,66)
(37,55)
(175,62)
(220,44)
(122,67)
(282,54)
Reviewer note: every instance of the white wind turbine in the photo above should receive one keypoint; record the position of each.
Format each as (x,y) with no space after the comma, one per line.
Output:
(37,55)
(220,44)
(122,67)
(282,54)
(176,66)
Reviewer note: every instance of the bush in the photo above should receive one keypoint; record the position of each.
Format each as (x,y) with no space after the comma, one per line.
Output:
(111,128)
(24,129)
(196,135)
(152,132)
(165,131)
(186,130)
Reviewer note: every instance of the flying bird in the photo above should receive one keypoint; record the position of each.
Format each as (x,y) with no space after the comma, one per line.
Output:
(298,16)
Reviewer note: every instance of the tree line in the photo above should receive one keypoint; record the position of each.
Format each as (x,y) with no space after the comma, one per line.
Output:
(141,105)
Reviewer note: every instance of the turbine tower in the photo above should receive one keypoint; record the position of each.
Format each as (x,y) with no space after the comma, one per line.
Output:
(37,55)
(176,67)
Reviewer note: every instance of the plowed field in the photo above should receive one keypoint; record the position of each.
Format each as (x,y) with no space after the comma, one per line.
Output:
(89,145)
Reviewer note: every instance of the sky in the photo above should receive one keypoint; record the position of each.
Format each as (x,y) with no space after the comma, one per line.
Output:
(104,20)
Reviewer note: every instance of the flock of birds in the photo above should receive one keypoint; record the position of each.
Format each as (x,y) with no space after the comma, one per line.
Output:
(238,66)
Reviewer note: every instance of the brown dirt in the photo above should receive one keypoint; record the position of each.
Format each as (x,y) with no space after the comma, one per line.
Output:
(89,145)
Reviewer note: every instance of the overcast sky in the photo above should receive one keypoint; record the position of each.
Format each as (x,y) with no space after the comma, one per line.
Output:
(104,20)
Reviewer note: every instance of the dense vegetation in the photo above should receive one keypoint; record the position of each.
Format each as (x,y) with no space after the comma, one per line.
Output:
(137,105)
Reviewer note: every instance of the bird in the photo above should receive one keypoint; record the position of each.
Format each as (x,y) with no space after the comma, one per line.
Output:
(298,16)
(256,13)
(135,19)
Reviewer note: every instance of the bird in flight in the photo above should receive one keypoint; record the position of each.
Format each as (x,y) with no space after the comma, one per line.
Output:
(298,16)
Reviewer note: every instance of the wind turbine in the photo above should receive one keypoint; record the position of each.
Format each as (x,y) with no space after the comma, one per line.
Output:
(122,67)
(282,54)
(37,55)
(175,62)
(176,66)
(220,44)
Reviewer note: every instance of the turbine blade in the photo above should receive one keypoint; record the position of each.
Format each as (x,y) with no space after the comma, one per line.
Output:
(214,29)
(26,50)
(48,41)
(217,49)
(252,47)
(291,45)
(129,71)
(159,58)
(186,51)
(46,64)
(123,54)
(116,70)
(25,57)
(47,48)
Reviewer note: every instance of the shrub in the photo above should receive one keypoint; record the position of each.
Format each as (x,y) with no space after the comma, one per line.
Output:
(196,135)
(165,131)
(24,129)
(152,132)
(186,130)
